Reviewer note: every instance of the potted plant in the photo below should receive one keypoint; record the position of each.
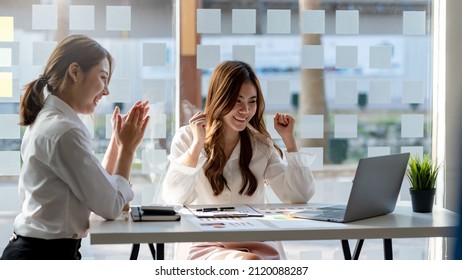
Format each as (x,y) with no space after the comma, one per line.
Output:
(422,174)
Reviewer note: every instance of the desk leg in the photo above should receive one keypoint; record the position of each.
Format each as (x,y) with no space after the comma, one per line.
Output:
(346,249)
(387,249)
(135,251)
(160,251)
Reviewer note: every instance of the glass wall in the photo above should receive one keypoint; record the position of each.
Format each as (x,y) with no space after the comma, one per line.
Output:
(356,75)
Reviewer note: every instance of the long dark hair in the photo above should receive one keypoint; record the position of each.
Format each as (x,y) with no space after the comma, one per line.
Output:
(225,84)
(75,48)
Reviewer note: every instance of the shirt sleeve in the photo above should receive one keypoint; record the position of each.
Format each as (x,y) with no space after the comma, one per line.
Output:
(180,181)
(291,181)
(75,164)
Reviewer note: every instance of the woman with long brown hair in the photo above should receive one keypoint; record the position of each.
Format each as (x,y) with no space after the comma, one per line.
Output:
(226,156)
(61,180)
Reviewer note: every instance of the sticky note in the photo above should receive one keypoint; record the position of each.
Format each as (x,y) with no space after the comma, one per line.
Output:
(41,51)
(44,17)
(244,21)
(346,22)
(414,22)
(413,92)
(154,54)
(278,21)
(278,92)
(155,90)
(346,57)
(345,126)
(119,91)
(312,57)
(312,126)
(412,125)
(6,84)
(244,53)
(6,29)
(208,20)
(10,128)
(118,18)
(208,56)
(10,163)
(313,21)
(380,92)
(346,92)
(81,17)
(380,57)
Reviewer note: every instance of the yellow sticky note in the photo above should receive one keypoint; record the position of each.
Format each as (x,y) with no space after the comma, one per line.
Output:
(6,84)
(6,29)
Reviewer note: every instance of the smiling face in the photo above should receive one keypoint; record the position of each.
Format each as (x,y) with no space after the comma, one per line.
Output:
(89,88)
(243,111)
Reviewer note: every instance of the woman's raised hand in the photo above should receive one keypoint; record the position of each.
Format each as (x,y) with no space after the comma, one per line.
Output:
(198,123)
(129,130)
(284,125)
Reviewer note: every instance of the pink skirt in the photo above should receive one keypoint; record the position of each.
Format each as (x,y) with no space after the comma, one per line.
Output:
(203,251)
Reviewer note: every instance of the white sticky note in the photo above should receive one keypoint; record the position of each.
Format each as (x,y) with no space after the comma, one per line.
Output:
(380,57)
(44,17)
(118,18)
(6,84)
(379,92)
(346,92)
(154,54)
(413,92)
(345,126)
(6,29)
(41,51)
(119,91)
(154,161)
(412,125)
(313,22)
(278,21)
(82,17)
(10,163)
(155,90)
(312,126)
(5,57)
(312,57)
(157,127)
(414,22)
(278,92)
(208,20)
(346,57)
(378,151)
(208,56)
(346,22)
(10,128)
(244,21)
(413,150)
(244,53)
(318,152)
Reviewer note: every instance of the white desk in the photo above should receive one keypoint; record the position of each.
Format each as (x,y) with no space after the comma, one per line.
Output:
(402,223)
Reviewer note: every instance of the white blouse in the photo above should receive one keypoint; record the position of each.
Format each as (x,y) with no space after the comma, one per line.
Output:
(291,181)
(61,181)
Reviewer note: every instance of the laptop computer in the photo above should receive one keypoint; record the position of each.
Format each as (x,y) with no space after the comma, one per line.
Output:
(375,191)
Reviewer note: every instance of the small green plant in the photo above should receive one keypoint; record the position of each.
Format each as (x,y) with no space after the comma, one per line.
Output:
(422,173)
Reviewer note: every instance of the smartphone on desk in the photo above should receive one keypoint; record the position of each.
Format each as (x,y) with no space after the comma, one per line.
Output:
(157,210)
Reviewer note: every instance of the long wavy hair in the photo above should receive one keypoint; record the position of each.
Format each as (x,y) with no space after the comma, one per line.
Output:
(74,48)
(225,84)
